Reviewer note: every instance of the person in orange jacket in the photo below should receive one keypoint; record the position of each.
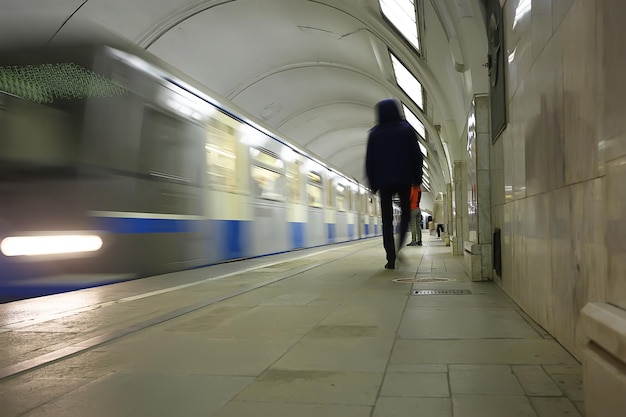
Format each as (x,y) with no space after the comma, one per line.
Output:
(416,216)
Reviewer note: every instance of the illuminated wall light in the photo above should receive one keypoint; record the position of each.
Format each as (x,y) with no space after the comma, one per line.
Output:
(414,121)
(522,9)
(447,152)
(423,149)
(402,15)
(49,245)
(408,82)
(512,56)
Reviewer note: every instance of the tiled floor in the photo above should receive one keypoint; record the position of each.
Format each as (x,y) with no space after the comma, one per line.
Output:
(329,334)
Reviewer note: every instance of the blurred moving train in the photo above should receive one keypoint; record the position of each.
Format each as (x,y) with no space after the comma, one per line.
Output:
(115,166)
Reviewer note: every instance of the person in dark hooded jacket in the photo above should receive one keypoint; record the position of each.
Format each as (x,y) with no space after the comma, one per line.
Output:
(393,163)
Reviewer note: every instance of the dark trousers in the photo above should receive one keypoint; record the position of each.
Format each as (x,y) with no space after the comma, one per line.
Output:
(439,229)
(386,208)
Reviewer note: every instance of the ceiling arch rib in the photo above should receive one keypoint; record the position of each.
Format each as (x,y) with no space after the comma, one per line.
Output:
(293,91)
(356,169)
(335,130)
(303,65)
(346,154)
(175,18)
(325,117)
(332,144)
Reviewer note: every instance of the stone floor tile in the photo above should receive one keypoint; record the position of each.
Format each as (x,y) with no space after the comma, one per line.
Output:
(265,409)
(580,406)
(575,369)
(133,395)
(411,368)
(412,407)
(18,399)
(492,406)
(194,354)
(477,351)
(314,387)
(483,379)
(415,385)
(571,385)
(457,323)
(535,381)
(357,354)
(554,407)
(482,300)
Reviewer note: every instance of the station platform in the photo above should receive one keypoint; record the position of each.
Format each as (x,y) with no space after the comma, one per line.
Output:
(318,332)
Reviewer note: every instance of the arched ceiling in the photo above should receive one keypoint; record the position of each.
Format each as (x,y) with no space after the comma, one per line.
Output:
(311,69)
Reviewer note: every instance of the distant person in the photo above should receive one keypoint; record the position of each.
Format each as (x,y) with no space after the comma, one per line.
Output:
(416,216)
(393,163)
(438,214)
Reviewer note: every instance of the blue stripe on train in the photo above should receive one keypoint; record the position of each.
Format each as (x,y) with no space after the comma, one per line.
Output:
(332,232)
(127,225)
(297,234)
(234,232)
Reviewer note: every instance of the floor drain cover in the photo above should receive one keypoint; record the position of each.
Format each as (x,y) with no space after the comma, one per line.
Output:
(441,292)
(423,279)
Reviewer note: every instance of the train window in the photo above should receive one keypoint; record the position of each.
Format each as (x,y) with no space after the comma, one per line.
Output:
(351,200)
(266,183)
(314,189)
(171,144)
(45,147)
(341,197)
(221,153)
(314,195)
(330,193)
(267,174)
(294,182)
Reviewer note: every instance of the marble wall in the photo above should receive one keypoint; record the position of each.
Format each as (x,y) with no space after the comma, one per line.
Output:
(558,172)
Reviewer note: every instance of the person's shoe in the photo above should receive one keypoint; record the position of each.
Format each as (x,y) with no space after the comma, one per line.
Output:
(390,265)
(419,243)
(411,244)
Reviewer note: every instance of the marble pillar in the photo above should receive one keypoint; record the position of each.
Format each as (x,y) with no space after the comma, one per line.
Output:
(477,249)
(461,229)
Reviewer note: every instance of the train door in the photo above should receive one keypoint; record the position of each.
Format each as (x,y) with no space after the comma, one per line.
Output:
(316,231)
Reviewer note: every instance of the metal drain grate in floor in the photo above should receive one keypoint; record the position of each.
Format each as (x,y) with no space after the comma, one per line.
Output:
(422,279)
(441,292)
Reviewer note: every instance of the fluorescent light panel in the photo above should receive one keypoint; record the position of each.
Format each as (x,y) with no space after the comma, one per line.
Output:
(411,86)
(401,13)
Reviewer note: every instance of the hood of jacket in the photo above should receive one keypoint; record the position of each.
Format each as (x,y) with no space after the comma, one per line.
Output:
(388,111)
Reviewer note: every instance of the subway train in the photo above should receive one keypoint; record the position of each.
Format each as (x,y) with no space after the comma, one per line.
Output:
(113,166)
